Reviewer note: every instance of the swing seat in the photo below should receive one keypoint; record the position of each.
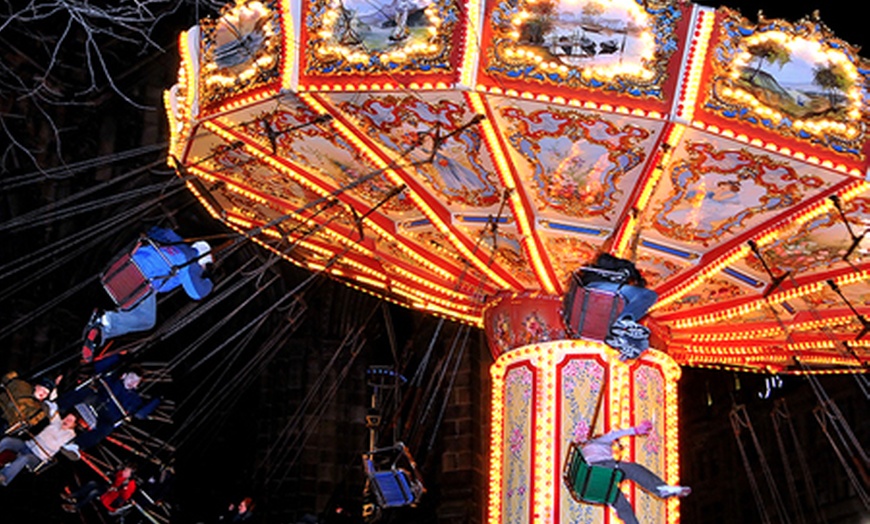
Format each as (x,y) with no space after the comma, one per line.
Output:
(588,313)
(394,487)
(124,280)
(393,477)
(588,483)
(125,283)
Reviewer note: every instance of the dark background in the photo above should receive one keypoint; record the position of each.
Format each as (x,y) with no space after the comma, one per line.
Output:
(236,426)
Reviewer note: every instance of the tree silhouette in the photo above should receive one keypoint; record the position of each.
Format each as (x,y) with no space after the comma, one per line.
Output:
(60,58)
(769,51)
(539,23)
(831,78)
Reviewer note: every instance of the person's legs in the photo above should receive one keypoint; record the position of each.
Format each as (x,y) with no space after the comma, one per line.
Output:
(651,482)
(642,476)
(624,510)
(140,318)
(638,300)
(24,459)
(13,444)
(87,493)
(89,439)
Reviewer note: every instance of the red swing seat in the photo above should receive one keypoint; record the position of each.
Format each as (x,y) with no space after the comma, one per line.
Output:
(125,282)
(588,313)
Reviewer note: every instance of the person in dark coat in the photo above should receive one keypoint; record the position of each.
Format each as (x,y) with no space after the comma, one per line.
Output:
(108,400)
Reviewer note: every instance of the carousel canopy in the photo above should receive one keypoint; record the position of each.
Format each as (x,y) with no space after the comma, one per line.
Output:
(439,153)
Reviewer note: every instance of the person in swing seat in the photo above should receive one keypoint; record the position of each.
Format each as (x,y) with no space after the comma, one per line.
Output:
(110,400)
(22,403)
(56,436)
(599,452)
(621,276)
(112,496)
(189,269)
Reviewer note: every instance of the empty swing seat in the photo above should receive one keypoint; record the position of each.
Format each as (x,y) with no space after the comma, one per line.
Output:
(394,487)
(588,313)
(393,477)
(588,483)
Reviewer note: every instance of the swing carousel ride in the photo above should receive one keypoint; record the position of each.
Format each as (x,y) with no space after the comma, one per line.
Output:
(465,158)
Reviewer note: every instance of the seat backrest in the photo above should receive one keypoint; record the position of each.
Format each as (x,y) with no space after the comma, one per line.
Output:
(125,283)
(588,312)
(394,488)
(589,483)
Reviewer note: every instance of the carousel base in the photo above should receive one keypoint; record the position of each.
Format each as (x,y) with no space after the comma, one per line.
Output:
(547,396)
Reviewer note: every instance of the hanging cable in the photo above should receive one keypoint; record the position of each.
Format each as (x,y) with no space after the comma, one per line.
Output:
(25,262)
(69,170)
(298,416)
(39,214)
(448,391)
(821,417)
(778,413)
(298,444)
(738,422)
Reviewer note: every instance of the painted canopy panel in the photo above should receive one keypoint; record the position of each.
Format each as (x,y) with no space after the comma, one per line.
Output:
(438,153)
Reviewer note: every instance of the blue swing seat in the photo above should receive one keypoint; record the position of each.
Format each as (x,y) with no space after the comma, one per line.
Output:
(393,477)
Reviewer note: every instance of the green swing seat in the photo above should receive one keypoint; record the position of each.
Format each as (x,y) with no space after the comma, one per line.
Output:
(588,483)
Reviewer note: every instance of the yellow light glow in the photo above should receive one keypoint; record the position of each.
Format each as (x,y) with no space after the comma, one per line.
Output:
(816,53)
(545,359)
(510,179)
(378,159)
(288,47)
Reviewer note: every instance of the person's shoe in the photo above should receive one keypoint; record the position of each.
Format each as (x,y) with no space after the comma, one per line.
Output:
(91,344)
(69,508)
(674,491)
(66,496)
(629,328)
(616,342)
(93,336)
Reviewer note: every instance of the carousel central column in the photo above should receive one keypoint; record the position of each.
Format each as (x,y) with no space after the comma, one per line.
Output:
(548,391)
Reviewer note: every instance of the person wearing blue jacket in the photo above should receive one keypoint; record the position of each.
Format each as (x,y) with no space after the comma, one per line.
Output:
(168,264)
(109,400)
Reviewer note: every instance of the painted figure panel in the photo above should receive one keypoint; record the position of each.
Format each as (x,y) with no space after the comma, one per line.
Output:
(713,193)
(715,290)
(820,243)
(569,253)
(456,167)
(295,133)
(363,37)
(657,269)
(240,50)
(578,162)
(248,172)
(518,440)
(649,404)
(582,380)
